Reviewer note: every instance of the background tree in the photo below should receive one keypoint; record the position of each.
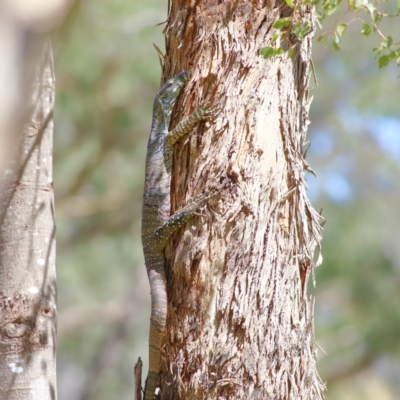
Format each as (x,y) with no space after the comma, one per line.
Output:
(27,238)
(27,225)
(99,160)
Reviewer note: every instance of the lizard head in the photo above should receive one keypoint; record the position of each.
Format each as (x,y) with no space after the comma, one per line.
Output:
(169,92)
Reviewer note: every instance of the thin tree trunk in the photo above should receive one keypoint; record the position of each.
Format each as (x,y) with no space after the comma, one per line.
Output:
(240,323)
(10,74)
(27,241)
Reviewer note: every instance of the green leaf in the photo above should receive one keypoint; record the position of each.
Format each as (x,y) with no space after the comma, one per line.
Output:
(371,8)
(301,30)
(267,52)
(320,38)
(290,3)
(307,25)
(378,17)
(366,30)
(290,52)
(383,61)
(282,23)
(358,4)
(321,15)
(340,29)
(331,6)
(275,36)
(329,10)
(336,39)
(387,43)
(377,50)
(398,6)
(335,42)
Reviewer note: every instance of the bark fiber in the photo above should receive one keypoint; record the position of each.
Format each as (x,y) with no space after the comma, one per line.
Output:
(27,242)
(240,323)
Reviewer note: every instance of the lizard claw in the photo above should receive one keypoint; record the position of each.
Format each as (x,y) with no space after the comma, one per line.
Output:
(204,197)
(210,110)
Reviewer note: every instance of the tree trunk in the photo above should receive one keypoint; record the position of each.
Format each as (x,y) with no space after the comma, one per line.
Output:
(27,241)
(240,323)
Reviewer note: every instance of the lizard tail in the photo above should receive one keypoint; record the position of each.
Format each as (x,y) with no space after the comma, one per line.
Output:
(157,327)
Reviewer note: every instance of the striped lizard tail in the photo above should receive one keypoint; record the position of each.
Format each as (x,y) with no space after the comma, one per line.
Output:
(157,326)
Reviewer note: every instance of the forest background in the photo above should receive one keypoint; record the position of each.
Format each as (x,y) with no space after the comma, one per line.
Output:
(107,74)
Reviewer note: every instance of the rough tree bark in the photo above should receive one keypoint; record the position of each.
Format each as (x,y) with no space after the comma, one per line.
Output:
(240,323)
(27,241)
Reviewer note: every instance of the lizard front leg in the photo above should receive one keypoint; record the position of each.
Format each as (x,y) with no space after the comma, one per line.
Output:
(188,123)
(164,232)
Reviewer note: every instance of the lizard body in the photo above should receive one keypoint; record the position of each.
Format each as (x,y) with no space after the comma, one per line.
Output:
(157,225)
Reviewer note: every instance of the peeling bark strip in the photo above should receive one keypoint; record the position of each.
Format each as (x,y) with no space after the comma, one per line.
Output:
(27,242)
(240,324)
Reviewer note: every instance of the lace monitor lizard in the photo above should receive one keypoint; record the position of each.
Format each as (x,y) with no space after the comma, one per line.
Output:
(157,224)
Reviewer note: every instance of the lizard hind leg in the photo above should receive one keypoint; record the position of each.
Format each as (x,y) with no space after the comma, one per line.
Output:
(164,232)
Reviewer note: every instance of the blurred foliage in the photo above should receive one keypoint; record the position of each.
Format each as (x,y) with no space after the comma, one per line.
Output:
(371,18)
(355,150)
(107,75)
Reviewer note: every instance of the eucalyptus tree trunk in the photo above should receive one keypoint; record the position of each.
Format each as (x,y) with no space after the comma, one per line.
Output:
(27,239)
(240,322)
